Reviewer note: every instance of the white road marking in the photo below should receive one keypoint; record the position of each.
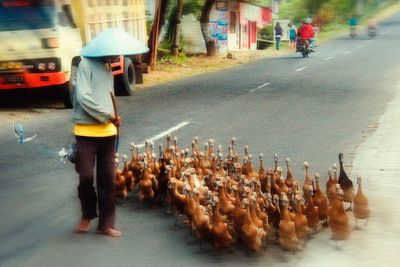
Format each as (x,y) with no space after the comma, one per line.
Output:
(303,68)
(328,58)
(370,41)
(261,86)
(170,130)
(346,52)
(359,46)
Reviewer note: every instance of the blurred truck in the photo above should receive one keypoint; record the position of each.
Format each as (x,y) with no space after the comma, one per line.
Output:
(41,40)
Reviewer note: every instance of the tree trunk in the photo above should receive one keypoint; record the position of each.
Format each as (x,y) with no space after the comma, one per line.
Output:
(176,33)
(160,16)
(204,21)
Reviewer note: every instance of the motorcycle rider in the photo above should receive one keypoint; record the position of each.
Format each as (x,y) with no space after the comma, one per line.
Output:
(353,22)
(305,33)
(372,27)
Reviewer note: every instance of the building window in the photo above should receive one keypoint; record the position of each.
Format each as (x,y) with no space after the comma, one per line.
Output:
(232,22)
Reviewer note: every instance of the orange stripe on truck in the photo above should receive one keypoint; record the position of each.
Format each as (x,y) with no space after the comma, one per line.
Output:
(31,80)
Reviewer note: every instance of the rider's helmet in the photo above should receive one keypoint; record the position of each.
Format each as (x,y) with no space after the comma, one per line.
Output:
(308,20)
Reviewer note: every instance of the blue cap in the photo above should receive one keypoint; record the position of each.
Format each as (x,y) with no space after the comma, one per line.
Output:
(113,42)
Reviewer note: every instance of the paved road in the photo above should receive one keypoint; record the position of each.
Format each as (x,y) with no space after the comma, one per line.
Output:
(306,109)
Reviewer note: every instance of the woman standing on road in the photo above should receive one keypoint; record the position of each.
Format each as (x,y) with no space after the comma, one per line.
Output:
(96,126)
(278,35)
(95,132)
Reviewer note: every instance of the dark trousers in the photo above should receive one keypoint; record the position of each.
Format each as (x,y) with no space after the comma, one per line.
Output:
(99,152)
(298,44)
(277,42)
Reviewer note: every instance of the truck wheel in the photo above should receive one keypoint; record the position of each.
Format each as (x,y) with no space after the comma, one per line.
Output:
(124,84)
(67,89)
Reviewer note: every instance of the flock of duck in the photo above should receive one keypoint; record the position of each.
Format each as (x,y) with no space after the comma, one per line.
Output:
(226,201)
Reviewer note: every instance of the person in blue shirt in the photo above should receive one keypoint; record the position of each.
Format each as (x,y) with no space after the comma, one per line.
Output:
(353,22)
(292,35)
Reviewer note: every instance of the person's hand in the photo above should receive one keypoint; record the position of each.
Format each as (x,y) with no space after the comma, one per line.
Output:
(117,121)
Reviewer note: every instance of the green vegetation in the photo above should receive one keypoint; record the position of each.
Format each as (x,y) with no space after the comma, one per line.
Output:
(165,57)
(326,13)
(260,2)
(193,7)
(331,16)
(189,7)
(266,33)
(149,21)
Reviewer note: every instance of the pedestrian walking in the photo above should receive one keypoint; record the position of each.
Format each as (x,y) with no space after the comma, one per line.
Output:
(96,127)
(292,33)
(278,35)
(315,39)
(353,22)
(95,132)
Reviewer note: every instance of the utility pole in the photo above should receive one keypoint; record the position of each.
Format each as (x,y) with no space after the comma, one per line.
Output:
(177,29)
(155,34)
(161,7)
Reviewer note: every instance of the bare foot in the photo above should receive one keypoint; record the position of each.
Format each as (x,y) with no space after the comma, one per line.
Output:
(110,232)
(83,226)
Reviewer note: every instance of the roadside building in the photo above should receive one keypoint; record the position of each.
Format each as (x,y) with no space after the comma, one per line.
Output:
(233,26)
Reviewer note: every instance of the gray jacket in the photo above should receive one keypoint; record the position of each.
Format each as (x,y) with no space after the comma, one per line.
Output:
(92,101)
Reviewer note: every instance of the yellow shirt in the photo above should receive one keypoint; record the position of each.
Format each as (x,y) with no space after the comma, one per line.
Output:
(95,130)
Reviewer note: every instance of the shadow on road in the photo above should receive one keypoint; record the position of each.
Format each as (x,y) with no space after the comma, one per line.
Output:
(360,36)
(291,57)
(391,23)
(30,99)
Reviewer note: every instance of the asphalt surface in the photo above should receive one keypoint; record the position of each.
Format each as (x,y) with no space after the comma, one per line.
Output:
(306,109)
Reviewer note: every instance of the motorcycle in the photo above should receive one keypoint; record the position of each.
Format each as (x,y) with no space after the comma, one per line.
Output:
(305,48)
(353,33)
(372,31)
